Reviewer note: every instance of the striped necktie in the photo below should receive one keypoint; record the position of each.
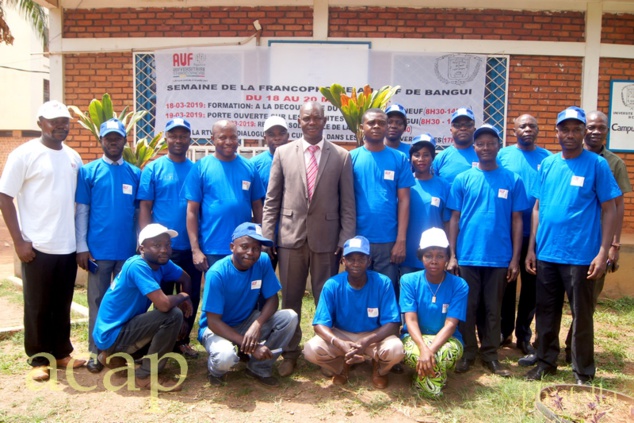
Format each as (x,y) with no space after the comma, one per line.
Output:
(311,171)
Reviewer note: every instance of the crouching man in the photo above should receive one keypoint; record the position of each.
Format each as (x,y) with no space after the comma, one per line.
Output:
(124,324)
(229,318)
(357,317)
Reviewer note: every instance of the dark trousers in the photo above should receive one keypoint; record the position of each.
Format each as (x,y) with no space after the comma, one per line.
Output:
(598,287)
(486,290)
(526,305)
(553,280)
(48,284)
(294,265)
(183,258)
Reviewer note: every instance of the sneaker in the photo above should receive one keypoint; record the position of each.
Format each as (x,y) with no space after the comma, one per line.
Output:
(264,380)
(216,381)
(187,351)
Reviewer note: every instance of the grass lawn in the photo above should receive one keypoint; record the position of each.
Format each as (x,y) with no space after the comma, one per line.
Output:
(476,396)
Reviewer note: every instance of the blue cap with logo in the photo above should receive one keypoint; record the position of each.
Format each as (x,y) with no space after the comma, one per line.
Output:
(177,123)
(572,112)
(463,111)
(358,244)
(396,108)
(112,125)
(426,137)
(487,129)
(252,230)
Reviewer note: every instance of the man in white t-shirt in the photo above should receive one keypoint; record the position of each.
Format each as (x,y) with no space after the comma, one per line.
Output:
(42,174)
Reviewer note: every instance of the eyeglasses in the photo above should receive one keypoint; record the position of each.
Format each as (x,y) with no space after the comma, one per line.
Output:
(463,125)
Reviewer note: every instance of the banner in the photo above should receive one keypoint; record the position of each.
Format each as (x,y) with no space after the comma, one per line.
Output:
(621,135)
(247,85)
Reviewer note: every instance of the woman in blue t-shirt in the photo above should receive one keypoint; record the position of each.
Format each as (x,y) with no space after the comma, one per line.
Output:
(428,200)
(433,301)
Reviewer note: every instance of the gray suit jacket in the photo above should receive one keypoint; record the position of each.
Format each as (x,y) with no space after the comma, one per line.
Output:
(329,219)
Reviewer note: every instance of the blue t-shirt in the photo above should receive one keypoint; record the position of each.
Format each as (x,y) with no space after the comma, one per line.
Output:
(403,148)
(225,191)
(526,165)
(451,301)
(427,209)
(377,178)
(162,182)
(262,163)
(486,201)
(110,191)
(570,193)
(452,161)
(127,297)
(357,310)
(233,293)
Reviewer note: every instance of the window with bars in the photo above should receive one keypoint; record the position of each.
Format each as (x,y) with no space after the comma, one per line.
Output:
(495,96)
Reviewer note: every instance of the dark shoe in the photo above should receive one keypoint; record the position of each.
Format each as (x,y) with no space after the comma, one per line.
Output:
(582,380)
(568,357)
(94,366)
(287,367)
(164,384)
(496,368)
(112,362)
(378,381)
(67,361)
(186,351)
(464,365)
(525,347)
(528,360)
(216,381)
(505,341)
(397,369)
(341,378)
(539,371)
(264,380)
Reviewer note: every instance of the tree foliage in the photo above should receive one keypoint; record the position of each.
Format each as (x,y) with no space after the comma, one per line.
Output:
(34,14)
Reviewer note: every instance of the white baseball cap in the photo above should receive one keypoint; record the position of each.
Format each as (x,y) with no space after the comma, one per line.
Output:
(433,237)
(153,230)
(53,109)
(274,121)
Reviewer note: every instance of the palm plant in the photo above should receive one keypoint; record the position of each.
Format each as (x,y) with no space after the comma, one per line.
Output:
(34,13)
(138,153)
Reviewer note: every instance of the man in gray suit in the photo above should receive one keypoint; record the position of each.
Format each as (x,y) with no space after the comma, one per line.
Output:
(311,195)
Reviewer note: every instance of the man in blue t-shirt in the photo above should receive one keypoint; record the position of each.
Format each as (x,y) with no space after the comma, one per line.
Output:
(357,317)
(105,224)
(460,156)
(523,158)
(396,126)
(485,233)
(162,201)
(222,191)
(124,325)
(573,225)
(382,181)
(229,319)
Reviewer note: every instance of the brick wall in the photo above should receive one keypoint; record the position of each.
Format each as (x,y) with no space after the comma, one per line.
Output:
(7,145)
(542,86)
(618,29)
(188,22)
(384,22)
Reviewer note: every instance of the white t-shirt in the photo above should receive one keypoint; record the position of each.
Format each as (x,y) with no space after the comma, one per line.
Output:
(44,180)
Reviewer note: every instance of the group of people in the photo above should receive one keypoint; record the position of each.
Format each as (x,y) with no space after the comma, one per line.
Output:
(436,242)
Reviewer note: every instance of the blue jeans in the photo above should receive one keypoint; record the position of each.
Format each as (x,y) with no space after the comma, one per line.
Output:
(98,284)
(276,332)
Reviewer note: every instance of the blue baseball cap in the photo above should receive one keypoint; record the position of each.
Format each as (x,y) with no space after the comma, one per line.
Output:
(572,112)
(112,125)
(358,244)
(486,129)
(252,230)
(396,108)
(177,123)
(424,137)
(463,111)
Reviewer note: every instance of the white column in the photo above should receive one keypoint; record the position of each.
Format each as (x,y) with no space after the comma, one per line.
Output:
(320,20)
(590,74)
(56,60)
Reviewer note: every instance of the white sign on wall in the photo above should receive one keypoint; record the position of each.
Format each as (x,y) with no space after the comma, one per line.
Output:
(621,135)
(247,85)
